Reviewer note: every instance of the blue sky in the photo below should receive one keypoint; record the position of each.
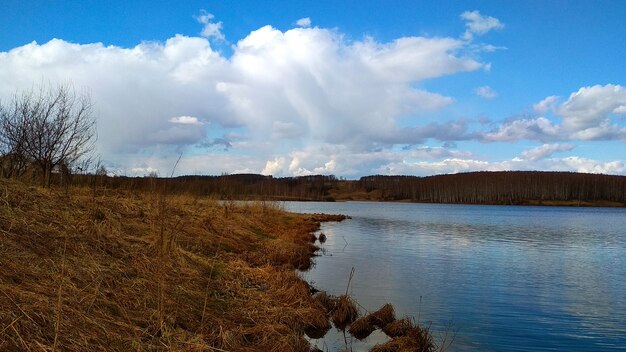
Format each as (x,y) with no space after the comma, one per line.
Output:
(348,88)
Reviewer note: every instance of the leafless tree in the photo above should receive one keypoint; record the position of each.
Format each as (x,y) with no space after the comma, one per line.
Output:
(13,123)
(49,127)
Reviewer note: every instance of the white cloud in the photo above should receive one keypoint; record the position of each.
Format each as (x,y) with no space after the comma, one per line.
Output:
(485,92)
(273,167)
(546,104)
(210,29)
(586,115)
(591,106)
(620,110)
(478,24)
(298,102)
(540,129)
(304,22)
(456,165)
(143,171)
(186,120)
(545,151)
(446,166)
(305,85)
(579,164)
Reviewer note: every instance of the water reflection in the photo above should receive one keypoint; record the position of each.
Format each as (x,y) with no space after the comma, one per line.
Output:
(509,278)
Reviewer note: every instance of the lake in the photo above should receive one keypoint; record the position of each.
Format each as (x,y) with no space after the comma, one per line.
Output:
(494,278)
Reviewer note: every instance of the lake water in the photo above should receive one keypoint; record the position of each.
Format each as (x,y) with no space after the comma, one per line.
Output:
(497,278)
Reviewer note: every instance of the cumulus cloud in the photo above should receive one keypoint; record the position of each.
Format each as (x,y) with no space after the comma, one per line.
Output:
(186,120)
(304,22)
(586,115)
(139,88)
(296,102)
(485,92)
(478,24)
(620,110)
(273,167)
(579,164)
(546,104)
(456,165)
(545,151)
(311,83)
(211,29)
(540,129)
(590,107)
(303,86)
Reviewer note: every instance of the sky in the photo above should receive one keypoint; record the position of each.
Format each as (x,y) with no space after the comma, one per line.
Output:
(348,88)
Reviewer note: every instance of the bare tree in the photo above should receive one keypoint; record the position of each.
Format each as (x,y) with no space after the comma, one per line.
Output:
(13,123)
(49,127)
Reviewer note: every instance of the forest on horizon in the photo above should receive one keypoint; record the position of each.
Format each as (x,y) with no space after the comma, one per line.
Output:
(502,187)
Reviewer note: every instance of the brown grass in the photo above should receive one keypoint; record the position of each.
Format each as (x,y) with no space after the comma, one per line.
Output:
(361,328)
(104,270)
(345,312)
(328,302)
(415,339)
(406,336)
(316,324)
(400,327)
(382,316)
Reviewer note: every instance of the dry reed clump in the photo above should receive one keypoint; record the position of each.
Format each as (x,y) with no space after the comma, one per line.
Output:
(345,312)
(361,328)
(382,316)
(399,327)
(119,270)
(317,324)
(394,345)
(327,301)
(423,339)
(417,339)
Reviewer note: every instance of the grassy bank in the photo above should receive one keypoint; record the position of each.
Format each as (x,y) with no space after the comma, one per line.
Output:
(89,270)
(94,269)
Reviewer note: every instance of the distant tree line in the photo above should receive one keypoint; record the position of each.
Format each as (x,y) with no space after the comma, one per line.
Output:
(238,186)
(514,187)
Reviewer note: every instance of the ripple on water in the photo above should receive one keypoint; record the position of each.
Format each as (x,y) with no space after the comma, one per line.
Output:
(507,278)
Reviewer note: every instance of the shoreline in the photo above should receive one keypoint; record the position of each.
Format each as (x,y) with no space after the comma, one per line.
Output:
(101,269)
(537,203)
(97,269)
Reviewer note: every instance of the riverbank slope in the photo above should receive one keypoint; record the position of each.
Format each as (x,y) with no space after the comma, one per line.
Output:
(96,269)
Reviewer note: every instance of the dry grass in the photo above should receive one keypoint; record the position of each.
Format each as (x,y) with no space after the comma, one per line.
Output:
(361,328)
(406,336)
(328,302)
(415,340)
(345,312)
(383,316)
(400,327)
(317,324)
(104,270)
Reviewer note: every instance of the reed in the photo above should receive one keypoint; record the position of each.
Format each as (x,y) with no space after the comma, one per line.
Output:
(383,316)
(345,312)
(316,324)
(361,328)
(328,302)
(400,327)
